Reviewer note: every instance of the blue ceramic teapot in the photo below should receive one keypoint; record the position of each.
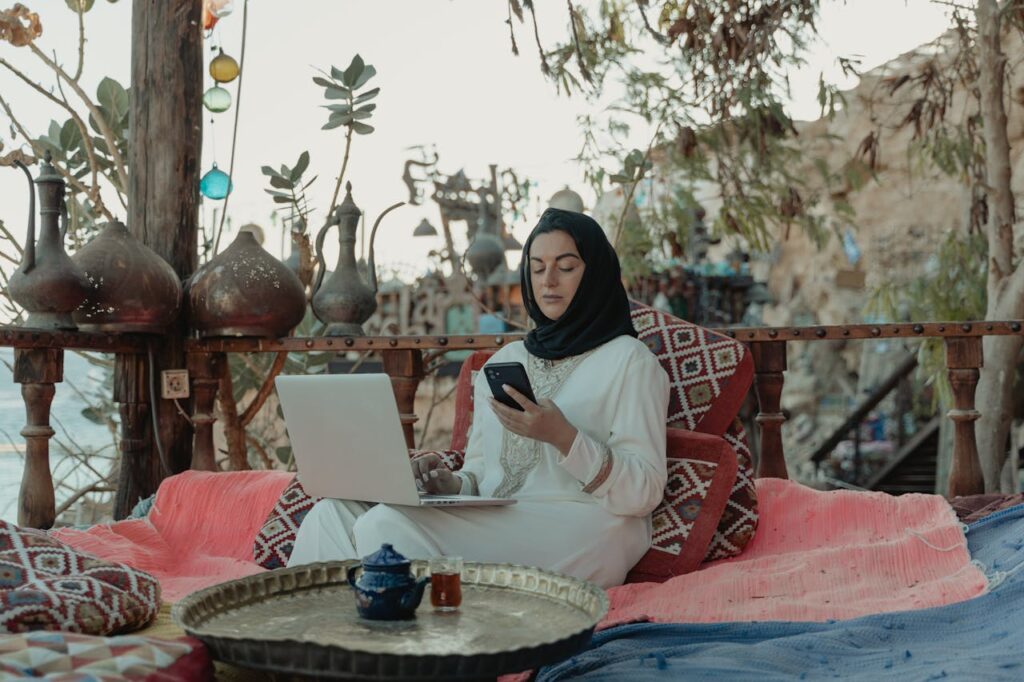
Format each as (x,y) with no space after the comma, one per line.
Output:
(386,590)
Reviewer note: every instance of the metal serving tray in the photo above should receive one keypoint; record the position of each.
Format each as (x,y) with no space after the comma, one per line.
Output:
(303,621)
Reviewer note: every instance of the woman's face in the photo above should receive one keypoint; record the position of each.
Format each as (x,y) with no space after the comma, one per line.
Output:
(555,272)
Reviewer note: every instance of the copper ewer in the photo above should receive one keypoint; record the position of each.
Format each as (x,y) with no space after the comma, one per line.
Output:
(344,302)
(47,284)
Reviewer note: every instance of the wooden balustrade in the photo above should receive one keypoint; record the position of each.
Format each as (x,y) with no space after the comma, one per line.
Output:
(39,364)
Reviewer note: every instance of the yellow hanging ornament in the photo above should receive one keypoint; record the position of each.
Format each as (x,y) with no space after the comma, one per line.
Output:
(224,68)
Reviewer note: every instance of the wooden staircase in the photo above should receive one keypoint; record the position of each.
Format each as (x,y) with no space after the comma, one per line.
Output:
(912,469)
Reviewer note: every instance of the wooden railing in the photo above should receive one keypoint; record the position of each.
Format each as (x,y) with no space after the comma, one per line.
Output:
(39,366)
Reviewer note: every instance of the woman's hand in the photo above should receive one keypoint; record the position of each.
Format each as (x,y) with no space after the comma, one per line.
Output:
(434,477)
(541,421)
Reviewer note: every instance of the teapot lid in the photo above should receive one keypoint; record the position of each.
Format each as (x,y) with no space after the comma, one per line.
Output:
(386,559)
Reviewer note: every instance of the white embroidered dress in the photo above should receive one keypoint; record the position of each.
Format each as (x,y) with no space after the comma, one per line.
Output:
(587,514)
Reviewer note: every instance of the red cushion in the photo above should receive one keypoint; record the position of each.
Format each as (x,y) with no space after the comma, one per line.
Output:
(701,473)
(46,585)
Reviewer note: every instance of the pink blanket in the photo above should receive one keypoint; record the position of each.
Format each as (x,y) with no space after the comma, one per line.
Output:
(818,556)
(199,532)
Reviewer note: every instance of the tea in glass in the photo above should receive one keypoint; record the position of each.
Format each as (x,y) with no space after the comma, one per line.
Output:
(446,583)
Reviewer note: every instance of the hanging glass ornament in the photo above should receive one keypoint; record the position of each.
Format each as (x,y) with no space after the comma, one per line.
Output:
(216,184)
(217,99)
(224,68)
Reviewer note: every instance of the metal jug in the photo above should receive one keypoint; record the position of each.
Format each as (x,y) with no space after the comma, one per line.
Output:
(345,301)
(47,284)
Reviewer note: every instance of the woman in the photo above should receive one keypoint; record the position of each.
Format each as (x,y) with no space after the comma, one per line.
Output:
(586,464)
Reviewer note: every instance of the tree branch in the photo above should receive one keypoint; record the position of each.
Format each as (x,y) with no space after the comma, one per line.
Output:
(265,389)
(992,70)
(39,152)
(83,130)
(101,122)
(81,42)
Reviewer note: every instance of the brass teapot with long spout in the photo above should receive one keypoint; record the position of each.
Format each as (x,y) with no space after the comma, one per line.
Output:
(47,283)
(344,302)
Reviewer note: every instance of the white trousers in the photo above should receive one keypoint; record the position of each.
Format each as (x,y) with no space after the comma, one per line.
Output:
(578,539)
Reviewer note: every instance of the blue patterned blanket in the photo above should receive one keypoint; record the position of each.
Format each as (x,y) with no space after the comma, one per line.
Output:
(980,639)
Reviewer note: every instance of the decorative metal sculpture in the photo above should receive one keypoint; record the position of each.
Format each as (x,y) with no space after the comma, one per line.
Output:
(245,291)
(131,288)
(47,284)
(454,195)
(487,252)
(345,301)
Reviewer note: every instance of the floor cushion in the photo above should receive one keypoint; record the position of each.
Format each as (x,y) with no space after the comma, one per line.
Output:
(68,657)
(46,585)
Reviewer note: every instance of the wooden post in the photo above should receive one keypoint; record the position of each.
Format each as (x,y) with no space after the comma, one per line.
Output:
(166,130)
(37,370)
(140,467)
(405,367)
(769,365)
(204,370)
(964,359)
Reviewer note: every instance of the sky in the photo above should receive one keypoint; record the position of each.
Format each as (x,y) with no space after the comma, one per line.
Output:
(447,78)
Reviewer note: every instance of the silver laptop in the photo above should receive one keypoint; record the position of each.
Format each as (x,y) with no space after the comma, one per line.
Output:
(348,441)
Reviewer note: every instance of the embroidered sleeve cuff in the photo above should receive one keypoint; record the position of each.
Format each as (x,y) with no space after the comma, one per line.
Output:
(589,462)
(469,486)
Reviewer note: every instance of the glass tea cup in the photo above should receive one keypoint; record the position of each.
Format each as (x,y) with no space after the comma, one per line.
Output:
(446,582)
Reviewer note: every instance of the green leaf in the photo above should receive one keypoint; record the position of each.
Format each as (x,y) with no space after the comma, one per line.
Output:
(300,166)
(337,74)
(282,200)
(367,108)
(280,183)
(267,170)
(54,133)
(325,82)
(70,135)
(618,177)
(337,93)
(332,122)
(358,115)
(113,97)
(362,128)
(283,454)
(368,95)
(368,73)
(353,72)
(338,108)
(73,5)
(285,195)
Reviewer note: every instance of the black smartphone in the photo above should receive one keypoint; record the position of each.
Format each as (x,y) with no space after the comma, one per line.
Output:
(512,374)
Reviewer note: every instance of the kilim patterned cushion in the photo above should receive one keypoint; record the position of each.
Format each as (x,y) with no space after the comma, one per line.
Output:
(273,544)
(701,473)
(739,520)
(46,585)
(709,372)
(68,657)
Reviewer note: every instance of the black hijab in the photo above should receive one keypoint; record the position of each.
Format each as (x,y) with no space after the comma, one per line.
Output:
(598,312)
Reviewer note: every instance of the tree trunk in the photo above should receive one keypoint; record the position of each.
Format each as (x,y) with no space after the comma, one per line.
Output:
(1004,289)
(165,142)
